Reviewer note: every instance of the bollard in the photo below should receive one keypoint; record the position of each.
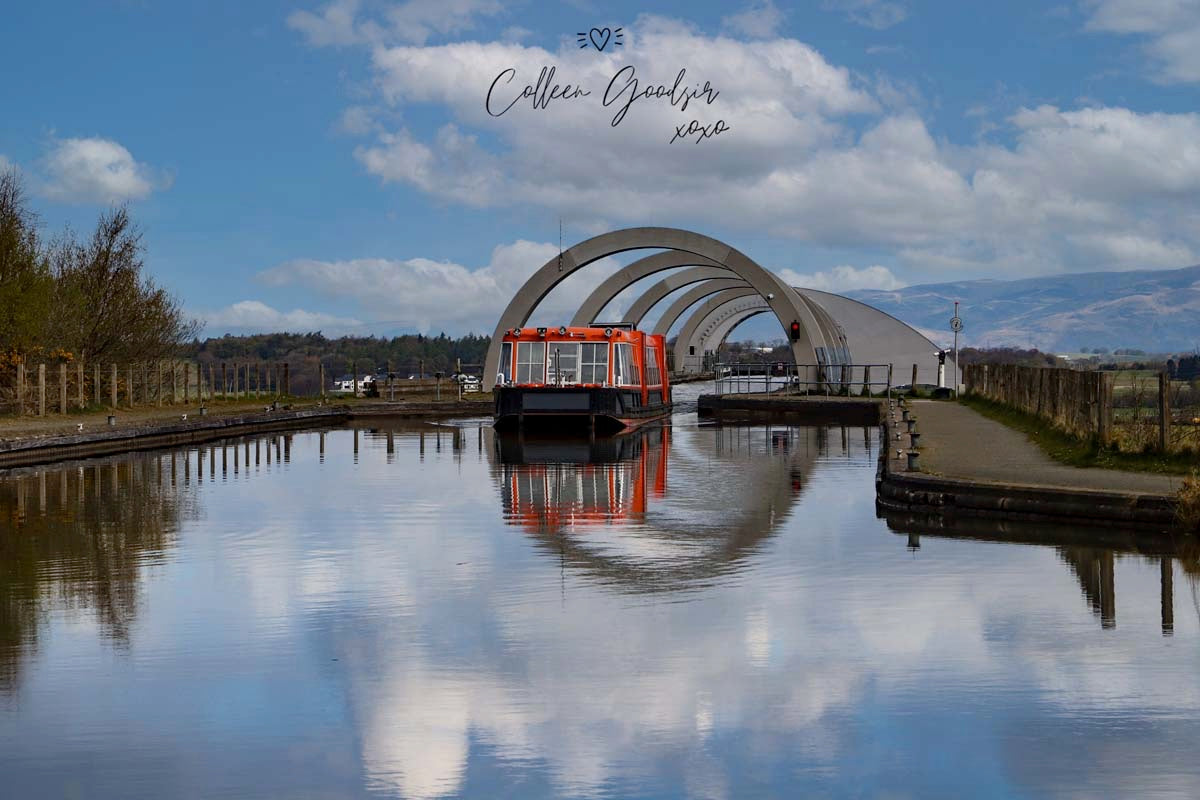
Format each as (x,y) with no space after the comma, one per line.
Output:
(912,423)
(904,416)
(913,464)
(204,411)
(112,420)
(913,437)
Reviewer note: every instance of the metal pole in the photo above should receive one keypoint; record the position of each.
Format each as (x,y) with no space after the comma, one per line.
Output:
(955,371)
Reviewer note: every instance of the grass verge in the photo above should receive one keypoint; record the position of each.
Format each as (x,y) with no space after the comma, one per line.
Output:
(1067,449)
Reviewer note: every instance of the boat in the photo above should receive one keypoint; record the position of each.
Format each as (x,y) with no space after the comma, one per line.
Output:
(603,378)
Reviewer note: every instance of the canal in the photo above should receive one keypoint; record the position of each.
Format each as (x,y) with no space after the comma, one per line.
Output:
(697,611)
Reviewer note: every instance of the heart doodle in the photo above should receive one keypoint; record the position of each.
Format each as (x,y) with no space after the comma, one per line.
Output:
(599,37)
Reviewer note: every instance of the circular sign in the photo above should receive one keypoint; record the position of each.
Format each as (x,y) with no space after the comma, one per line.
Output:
(956,324)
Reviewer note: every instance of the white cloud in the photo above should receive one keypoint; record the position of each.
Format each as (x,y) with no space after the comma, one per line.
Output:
(95,170)
(333,26)
(1171,28)
(877,14)
(337,24)
(5,164)
(251,316)
(844,278)
(759,20)
(428,296)
(814,153)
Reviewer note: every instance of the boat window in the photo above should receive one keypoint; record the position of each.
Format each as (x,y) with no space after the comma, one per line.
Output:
(625,371)
(506,369)
(594,365)
(562,366)
(653,378)
(531,362)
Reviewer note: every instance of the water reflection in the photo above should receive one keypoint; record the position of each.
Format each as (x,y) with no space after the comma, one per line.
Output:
(431,611)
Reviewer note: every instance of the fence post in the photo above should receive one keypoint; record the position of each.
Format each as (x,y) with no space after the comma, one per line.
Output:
(112,386)
(79,375)
(867,380)
(1164,411)
(62,388)
(21,388)
(41,390)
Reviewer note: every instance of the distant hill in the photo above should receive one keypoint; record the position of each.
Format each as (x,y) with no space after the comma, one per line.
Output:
(1152,310)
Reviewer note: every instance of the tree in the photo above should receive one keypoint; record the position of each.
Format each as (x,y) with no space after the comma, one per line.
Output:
(26,285)
(104,307)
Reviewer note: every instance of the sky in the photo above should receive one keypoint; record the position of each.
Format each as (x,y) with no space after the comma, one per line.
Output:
(337,166)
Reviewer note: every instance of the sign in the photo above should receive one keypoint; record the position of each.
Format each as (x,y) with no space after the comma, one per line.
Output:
(956,324)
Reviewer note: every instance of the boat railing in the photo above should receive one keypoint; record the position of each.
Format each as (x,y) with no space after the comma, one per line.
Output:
(830,380)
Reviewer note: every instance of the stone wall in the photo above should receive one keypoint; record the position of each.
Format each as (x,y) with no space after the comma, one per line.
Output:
(1073,401)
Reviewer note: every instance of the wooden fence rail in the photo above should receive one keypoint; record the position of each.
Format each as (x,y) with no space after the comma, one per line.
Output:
(63,388)
(1074,401)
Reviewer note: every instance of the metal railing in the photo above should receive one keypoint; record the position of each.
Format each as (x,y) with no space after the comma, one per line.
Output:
(830,380)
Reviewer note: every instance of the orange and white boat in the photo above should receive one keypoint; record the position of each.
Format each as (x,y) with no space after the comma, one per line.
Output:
(604,377)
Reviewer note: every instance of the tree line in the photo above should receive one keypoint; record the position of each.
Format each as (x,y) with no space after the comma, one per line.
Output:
(66,298)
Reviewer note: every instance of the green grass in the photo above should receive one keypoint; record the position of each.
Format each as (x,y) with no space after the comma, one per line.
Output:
(1067,449)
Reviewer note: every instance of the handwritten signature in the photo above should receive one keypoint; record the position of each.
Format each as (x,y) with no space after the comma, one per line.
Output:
(622,91)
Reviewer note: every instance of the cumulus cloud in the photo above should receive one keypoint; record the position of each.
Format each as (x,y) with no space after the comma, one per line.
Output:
(1171,29)
(337,24)
(877,14)
(844,278)
(759,20)
(254,316)
(428,295)
(95,170)
(814,153)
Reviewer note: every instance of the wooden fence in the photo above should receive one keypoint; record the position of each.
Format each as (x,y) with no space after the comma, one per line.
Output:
(1074,401)
(41,389)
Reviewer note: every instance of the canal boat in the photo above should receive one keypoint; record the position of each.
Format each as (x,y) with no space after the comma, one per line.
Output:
(599,377)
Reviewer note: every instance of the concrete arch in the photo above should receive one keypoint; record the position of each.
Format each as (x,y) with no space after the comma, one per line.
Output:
(785,304)
(689,335)
(669,284)
(691,297)
(603,294)
(726,326)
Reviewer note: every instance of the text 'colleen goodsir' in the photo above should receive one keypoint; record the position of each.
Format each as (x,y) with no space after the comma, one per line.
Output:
(622,92)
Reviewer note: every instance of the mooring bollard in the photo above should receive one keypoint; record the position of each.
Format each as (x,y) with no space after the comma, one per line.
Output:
(904,415)
(912,423)
(913,438)
(204,411)
(112,420)
(913,464)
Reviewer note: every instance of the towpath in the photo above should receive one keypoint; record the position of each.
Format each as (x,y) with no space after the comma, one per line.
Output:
(958,442)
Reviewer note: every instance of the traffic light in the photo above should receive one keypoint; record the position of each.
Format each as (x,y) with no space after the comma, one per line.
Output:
(795,329)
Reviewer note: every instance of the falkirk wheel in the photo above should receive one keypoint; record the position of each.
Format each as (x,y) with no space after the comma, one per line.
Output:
(721,288)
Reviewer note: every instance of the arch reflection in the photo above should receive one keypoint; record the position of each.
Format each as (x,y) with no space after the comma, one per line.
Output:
(642,512)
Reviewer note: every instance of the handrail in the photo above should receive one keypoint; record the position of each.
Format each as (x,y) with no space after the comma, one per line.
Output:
(802,379)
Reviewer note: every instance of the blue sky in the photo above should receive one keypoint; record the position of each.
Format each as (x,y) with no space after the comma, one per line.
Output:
(330,165)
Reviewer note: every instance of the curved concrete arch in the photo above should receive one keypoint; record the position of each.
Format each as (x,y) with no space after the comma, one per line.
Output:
(727,326)
(693,296)
(687,360)
(612,286)
(786,305)
(652,296)
(712,328)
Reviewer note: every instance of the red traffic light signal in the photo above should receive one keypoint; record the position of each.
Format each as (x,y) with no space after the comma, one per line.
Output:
(795,328)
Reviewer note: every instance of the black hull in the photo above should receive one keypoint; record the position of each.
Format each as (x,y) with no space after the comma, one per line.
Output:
(574,408)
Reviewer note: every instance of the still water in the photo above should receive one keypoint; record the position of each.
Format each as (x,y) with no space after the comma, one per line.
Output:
(708,612)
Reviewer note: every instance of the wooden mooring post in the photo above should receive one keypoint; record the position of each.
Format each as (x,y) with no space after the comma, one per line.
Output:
(112,386)
(914,379)
(41,390)
(79,378)
(21,389)
(62,388)
(1164,411)
(129,386)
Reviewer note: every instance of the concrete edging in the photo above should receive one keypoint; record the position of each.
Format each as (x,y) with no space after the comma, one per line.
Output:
(902,491)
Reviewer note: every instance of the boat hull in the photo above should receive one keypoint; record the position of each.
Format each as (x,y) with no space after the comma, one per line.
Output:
(568,407)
